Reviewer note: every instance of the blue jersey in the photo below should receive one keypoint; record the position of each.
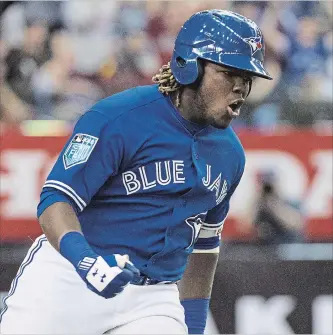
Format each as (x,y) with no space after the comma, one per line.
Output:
(146,182)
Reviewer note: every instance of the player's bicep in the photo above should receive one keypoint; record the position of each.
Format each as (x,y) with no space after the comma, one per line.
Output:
(91,156)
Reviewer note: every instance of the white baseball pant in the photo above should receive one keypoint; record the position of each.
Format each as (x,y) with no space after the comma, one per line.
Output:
(48,297)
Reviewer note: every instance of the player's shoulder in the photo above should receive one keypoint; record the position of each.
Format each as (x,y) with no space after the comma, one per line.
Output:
(119,104)
(229,135)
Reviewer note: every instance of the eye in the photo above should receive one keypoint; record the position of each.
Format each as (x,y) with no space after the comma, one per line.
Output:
(229,73)
(232,74)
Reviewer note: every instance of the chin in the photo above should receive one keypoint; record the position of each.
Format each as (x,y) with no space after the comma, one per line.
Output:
(221,124)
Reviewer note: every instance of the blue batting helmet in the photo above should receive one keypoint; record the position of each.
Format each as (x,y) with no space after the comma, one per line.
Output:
(222,37)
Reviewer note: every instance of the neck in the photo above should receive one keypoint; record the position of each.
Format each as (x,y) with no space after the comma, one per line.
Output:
(185,102)
(173,98)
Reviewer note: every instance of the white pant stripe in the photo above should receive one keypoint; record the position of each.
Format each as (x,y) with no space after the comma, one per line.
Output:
(25,263)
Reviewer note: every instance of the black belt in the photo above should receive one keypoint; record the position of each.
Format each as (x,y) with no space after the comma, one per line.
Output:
(144,280)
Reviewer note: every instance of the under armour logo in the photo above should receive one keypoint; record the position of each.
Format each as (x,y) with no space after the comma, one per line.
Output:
(102,276)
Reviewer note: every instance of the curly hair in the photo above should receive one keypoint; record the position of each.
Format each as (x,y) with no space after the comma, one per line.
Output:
(165,80)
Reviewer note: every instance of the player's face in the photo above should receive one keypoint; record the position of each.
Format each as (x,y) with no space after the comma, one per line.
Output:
(221,94)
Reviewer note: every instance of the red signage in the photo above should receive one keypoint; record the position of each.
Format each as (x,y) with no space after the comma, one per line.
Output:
(301,160)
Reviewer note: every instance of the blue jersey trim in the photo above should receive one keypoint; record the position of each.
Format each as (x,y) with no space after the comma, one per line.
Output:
(49,196)
(28,261)
(64,188)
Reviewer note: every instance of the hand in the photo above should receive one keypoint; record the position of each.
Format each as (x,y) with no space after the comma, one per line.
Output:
(107,276)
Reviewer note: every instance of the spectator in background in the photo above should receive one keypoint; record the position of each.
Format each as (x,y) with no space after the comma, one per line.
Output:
(91,31)
(22,62)
(118,45)
(59,91)
(305,23)
(306,60)
(49,13)
(275,221)
(132,65)
(12,109)
(50,81)
(326,83)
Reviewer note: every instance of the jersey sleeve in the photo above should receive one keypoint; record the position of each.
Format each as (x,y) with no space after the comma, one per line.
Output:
(91,155)
(210,232)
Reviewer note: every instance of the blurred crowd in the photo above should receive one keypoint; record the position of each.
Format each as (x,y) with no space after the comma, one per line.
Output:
(58,58)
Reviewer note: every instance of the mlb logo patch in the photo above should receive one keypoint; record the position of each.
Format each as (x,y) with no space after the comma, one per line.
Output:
(79,150)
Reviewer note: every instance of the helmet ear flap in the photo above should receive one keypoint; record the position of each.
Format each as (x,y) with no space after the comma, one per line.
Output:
(184,70)
(200,71)
(181,62)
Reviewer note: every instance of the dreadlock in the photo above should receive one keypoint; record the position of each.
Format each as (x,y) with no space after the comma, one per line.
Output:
(166,80)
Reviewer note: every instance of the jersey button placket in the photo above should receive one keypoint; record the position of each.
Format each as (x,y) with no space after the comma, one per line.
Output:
(195,154)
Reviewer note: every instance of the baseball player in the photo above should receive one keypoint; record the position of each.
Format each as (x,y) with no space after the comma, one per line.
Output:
(133,209)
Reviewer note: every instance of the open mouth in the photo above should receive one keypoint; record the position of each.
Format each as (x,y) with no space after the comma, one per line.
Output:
(234,107)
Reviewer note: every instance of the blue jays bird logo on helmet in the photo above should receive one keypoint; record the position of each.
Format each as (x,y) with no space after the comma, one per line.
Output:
(255,42)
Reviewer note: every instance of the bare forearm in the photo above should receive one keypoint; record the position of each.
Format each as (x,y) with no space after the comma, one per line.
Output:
(57,220)
(197,281)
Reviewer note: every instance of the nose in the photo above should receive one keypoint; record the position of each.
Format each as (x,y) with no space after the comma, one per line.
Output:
(241,87)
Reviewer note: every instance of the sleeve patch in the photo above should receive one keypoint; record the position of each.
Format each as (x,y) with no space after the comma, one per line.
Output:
(79,150)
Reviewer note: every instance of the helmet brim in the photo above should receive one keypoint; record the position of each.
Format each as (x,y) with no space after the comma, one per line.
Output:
(245,63)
